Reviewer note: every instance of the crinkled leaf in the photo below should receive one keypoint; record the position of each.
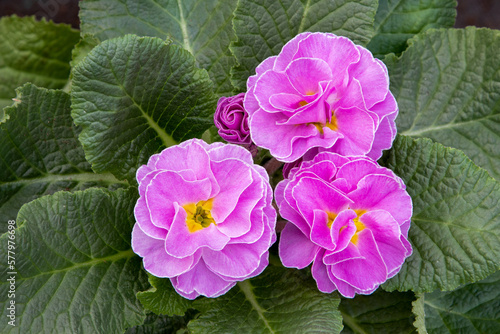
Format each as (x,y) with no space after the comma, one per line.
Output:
(264,26)
(75,270)
(419,312)
(82,48)
(203,27)
(397,21)
(33,51)
(473,308)
(133,96)
(380,312)
(158,324)
(162,298)
(455,228)
(447,84)
(278,301)
(40,153)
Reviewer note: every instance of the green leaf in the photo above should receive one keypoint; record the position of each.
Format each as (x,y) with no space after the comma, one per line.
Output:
(33,51)
(380,312)
(397,21)
(40,153)
(473,308)
(162,298)
(419,312)
(203,27)
(84,46)
(278,301)
(264,26)
(447,84)
(134,96)
(156,324)
(75,270)
(455,228)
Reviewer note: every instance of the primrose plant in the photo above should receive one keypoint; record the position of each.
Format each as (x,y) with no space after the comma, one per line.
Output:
(250,166)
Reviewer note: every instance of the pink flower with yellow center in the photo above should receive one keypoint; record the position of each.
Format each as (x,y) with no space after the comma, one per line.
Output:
(204,217)
(349,217)
(321,92)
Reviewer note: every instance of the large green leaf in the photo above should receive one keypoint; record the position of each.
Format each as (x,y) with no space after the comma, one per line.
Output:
(380,312)
(75,270)
(264,26)
(162,324)
(455,228)
(447,84)
(203,27)
(397,21)
(134,96)
(40,153)
(473,308)
(163,299)
(33,51)
(278,301)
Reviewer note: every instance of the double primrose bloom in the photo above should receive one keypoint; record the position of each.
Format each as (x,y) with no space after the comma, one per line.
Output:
(205,217)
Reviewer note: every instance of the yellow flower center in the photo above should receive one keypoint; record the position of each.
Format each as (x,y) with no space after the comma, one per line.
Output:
(198,215)
(359,225)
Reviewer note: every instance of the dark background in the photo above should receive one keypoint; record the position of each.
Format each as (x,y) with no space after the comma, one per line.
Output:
(480,13)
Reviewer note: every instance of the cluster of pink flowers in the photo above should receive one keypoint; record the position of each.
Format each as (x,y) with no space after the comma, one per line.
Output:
(205,217)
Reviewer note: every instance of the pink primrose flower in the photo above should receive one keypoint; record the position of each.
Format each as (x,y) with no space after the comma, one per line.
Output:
(349,217)
(231,120)
(322,91)
(204,217)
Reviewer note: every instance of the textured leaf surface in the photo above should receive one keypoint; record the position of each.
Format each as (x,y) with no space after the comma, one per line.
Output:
(161,324)
(162,298)
(33,51)
(40,153)
(264,26)
(278,301)
(455,228)
(134,96)
(380,312)
(447,85)
(397,21)
(473,308)
(419,312)
(203,27)
(75,270)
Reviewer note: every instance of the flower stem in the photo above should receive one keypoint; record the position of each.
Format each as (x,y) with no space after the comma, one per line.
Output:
(272,166)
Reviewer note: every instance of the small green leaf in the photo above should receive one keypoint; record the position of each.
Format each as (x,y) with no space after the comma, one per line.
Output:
(397,21)
(419,312)
(473,308)
(75,270)
(40,153)
(447,84)
(162,298)
(278,301)
(455,228)
(33,51)
(84,46)
(264,26)
(134,96)
(203,27)
(380,312)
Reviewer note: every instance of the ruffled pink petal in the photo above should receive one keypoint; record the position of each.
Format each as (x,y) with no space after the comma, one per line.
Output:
(320,275)
(357,127)
(203,281)
(295,249)
(256,229)
(343,221)
(373,77)
(229,151)
(344,288)
(363,274)
(305,74)
(269,84)
(234,261)
(288,52)
(225,172)
(180,242)
(160,198)
(384,136)
(156,260)
(146,169)
(266,65)
(286,102)
(387,236)
(143,218)
(338,52)
(320,232)
(313,194)
(382,192)
(350,252)
(355,170)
